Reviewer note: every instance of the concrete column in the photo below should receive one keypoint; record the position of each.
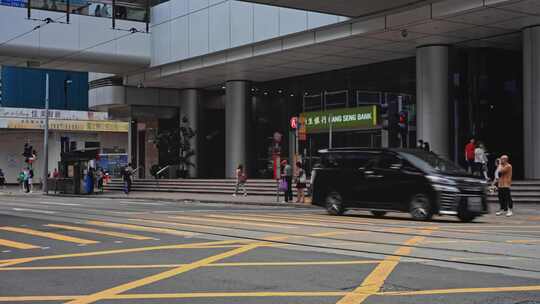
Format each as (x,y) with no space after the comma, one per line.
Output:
(237,117)
(531,102)
(190,106)
(432,97)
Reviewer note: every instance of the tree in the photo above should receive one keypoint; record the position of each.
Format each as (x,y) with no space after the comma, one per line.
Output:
(178,141)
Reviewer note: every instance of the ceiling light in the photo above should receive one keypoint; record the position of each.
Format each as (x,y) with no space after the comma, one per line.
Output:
(292,95)
(280,91)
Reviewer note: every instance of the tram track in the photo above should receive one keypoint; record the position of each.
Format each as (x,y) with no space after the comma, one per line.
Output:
(124,220)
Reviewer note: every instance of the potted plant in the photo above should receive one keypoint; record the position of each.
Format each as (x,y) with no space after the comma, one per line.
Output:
(178,141)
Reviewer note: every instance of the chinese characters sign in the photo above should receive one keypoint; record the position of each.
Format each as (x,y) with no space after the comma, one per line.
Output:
(64,125)
(341,119)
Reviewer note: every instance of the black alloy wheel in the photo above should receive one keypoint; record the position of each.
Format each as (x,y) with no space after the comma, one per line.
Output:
(334,204)
(420,207)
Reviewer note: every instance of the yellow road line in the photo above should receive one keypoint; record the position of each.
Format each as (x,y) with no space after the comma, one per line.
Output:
(462,290)
(247,294)
(256,218)
(247,264)
(523,241)
(50,235)
(231,222)
(102,232)
(178,224)
(18,245)
(272,294)
(332,233)
(141,228)
(374,281)
(37,298)
(111,292)
(11,262)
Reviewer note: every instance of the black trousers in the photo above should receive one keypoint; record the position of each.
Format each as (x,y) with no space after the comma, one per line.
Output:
(505,199)
(288,193)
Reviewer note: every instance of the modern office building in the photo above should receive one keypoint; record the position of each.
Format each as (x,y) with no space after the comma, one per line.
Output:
(442,70)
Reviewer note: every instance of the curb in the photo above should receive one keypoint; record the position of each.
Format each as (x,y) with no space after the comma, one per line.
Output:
(189,200)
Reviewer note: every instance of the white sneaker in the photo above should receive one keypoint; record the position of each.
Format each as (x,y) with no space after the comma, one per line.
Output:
(509,212)
(500,212)
(234,195)
(245,194)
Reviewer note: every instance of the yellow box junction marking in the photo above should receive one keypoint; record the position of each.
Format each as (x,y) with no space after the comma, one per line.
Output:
(11,262)
(256,218)
(141,228)
(50,235)
(161,276)
(178,224)
(18,245)
(375,280)
(102,232)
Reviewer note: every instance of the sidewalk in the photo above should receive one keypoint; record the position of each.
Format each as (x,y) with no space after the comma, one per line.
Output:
(257,200)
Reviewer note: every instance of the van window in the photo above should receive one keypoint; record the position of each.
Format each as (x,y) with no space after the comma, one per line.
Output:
(389,162)
(346,159)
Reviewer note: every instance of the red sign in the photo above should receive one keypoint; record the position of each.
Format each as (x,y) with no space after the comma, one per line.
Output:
(294,122)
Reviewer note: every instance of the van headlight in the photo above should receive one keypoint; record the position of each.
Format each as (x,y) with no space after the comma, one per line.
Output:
(444,188)
(440,180)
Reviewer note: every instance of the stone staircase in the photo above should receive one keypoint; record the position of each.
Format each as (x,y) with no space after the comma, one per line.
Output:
(527,191)
(266,187)
(522,191)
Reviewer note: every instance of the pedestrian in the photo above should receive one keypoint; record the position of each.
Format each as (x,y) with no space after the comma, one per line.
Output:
(56,173)
(288,177)
(30,180)
(504,184)
(100,177)
(469,155)
(480,161)
(2,179)
(427,148)
(241,179)
(127,176)
(420,144)
(20,179)
(301,181)
(97,11)
(25,178)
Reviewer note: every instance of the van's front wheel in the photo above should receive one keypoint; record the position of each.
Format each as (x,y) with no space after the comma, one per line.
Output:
(334,204)
(420,207)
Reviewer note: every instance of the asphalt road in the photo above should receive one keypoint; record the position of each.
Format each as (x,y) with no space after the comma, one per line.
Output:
(91,250)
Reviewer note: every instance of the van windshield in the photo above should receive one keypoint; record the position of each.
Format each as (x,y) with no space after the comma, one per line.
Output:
(430,162)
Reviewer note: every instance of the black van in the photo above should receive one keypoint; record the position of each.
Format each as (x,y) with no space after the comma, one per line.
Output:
(403,180)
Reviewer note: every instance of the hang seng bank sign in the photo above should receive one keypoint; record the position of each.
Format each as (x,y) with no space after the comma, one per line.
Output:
(364,117)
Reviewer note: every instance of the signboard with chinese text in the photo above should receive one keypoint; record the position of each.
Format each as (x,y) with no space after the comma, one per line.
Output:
(364,117)
(53,114)
(64,125)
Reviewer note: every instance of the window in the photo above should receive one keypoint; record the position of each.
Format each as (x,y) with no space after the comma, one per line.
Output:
(349,160)
(389,162)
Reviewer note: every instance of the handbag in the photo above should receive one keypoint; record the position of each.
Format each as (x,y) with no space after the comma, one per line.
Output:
(303,178)
(283,185)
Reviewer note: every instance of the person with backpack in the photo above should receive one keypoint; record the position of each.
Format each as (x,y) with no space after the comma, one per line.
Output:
(301,182)
(241,179)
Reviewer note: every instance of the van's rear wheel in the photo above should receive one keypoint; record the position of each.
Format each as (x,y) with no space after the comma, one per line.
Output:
(420,207)
(378,213)
(334,204)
